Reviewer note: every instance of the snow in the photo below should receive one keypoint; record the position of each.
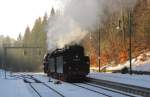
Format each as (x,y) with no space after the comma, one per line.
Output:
(44,91)
(140,63)
(110,93)
(137,80)
(12,87)
(72,91)
(68,89)
(15,87)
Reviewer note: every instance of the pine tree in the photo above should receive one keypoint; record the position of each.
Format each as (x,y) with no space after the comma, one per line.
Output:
(52,12)
(35,36)
(27,36)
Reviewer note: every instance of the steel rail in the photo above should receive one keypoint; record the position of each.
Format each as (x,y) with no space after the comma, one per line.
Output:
(36,80)
(104,88)
(91,90)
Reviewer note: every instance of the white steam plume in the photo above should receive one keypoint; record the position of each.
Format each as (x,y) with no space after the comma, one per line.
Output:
(78,18)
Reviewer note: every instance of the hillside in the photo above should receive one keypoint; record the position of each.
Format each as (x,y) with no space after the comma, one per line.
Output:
(114,35)
(140,63)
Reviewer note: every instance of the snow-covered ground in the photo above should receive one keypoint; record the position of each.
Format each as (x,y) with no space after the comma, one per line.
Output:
(137,80)
(70,90)
(14,86)
(140,63)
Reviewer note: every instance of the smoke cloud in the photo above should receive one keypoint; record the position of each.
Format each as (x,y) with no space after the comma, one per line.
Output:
(78,18)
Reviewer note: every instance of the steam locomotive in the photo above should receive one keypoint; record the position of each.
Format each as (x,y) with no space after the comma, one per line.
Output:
(67,64)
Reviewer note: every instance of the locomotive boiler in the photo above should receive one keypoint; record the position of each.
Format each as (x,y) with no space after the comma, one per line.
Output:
(67,64)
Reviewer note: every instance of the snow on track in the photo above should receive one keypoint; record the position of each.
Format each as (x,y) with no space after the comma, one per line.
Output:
(44,91)
(41,89)
(13,87)
(69,90)
(47,89)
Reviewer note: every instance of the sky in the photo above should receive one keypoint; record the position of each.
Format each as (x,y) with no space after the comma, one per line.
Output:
(16,15)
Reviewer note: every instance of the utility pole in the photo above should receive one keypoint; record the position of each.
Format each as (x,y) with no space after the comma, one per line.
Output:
(4,61)
(90,48)
(99,51)
(130,40)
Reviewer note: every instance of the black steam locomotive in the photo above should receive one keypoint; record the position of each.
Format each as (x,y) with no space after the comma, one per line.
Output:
(67,64)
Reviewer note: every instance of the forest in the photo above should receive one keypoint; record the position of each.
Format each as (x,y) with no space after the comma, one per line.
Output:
(109,42)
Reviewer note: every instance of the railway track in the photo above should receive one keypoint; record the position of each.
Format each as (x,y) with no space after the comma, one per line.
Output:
(91,90)
(104,91)
(99,87)
(35,90)
(34,83)
(108,89)
(97,91)
(61,95)
(122,87)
